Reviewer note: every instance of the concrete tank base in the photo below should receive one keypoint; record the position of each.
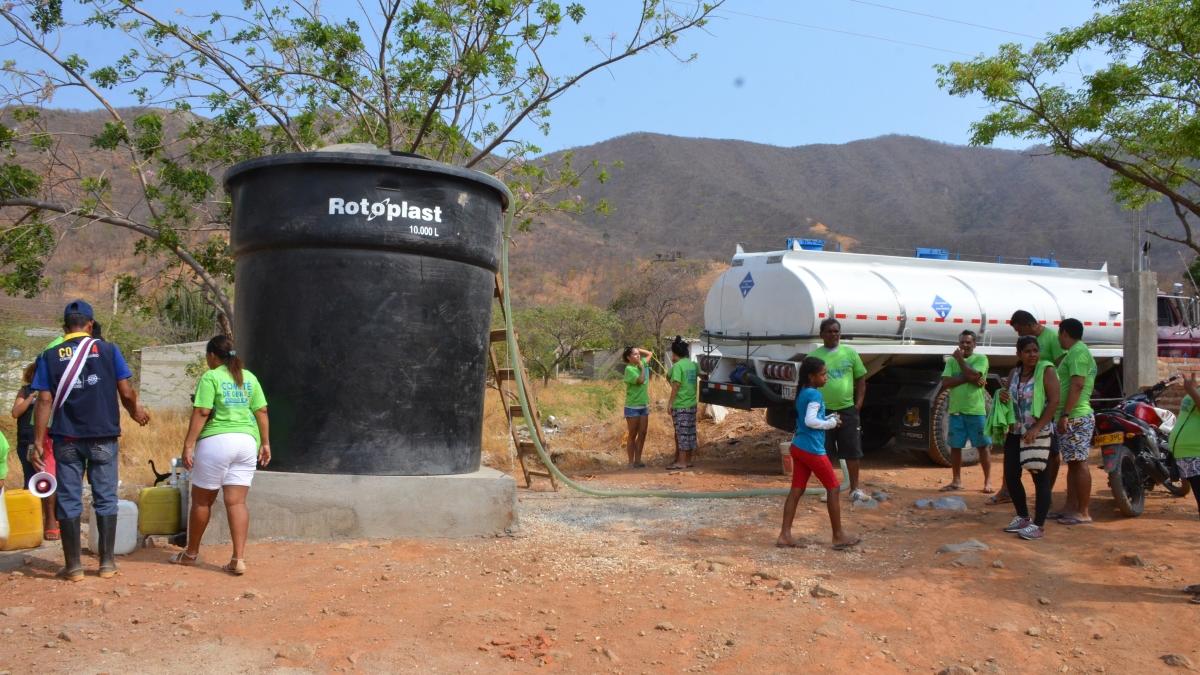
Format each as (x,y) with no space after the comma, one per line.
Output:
(335,506)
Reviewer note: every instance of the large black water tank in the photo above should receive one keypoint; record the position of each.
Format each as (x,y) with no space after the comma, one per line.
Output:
(363,304)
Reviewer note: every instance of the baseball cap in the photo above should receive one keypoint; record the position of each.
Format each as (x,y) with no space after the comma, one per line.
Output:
(79,307)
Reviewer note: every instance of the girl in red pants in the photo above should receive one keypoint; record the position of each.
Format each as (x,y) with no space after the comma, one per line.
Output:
(808,455)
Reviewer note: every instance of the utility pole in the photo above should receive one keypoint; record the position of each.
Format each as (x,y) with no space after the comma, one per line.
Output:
(1140,329)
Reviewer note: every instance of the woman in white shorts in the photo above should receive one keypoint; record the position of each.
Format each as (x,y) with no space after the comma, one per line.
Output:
(227,436)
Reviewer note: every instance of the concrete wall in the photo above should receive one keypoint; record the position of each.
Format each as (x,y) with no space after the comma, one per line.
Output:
(164,381)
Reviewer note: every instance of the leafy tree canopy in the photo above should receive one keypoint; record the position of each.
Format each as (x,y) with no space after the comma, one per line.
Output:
(460,81)
(553,336)
(1139,115)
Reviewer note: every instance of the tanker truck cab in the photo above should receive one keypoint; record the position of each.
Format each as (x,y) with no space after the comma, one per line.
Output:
(902,315)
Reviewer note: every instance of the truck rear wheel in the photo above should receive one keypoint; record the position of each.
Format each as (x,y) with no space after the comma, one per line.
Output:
(939,431)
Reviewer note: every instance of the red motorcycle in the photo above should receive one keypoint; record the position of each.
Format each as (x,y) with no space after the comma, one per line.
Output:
(1137,456)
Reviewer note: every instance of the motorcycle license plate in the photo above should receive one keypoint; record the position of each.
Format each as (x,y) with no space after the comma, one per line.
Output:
(788,391)
(1113,438)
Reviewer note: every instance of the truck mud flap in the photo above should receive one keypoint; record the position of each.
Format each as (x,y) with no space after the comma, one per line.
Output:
(742,396)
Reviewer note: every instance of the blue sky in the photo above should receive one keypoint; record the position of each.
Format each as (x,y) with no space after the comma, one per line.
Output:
(762,77)
(780,72)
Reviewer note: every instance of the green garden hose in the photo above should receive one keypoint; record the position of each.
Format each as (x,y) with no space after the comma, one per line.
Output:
(519,379)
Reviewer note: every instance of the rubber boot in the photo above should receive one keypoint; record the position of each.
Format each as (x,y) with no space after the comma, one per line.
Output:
(108,542)
(73,569)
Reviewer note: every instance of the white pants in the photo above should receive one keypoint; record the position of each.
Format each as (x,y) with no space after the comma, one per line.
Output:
(224,459)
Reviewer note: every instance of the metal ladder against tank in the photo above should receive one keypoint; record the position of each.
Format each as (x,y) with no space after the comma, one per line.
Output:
(506,384)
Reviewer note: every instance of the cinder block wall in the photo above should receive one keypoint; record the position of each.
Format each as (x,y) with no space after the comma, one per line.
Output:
(1168,366)
(164,381)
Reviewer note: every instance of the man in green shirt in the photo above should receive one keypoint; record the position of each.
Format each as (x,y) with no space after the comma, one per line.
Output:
(1025,324)
(964,377)
(843,393)
(1077,377)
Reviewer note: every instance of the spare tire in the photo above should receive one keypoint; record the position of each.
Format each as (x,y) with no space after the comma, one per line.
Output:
(939,431)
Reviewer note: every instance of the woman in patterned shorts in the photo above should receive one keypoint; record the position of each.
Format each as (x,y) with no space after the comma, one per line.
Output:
(683,404)
(1185,445)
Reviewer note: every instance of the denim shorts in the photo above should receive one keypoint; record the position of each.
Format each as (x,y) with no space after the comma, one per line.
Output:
(637,411)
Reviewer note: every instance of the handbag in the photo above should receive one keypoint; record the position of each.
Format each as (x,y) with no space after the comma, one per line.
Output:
(1035,456)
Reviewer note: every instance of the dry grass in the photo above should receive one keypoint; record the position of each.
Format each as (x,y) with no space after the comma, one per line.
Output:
(588,413)
(161,440)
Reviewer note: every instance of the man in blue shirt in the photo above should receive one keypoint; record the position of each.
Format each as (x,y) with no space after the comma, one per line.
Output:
(81,395)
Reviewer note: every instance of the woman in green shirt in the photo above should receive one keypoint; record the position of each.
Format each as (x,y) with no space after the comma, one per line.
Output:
(1185,446)
(227,435)
(683,404)
(637,401)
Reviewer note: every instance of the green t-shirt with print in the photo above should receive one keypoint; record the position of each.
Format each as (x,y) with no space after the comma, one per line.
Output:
(1078,361)
(1049,348)
(636,395)
(967,398)
(843,366)
(1185,436)
(684,372)
(232,406)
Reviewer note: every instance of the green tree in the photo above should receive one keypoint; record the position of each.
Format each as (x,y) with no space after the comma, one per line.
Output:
(1192,276)
(662,294)
(466,82)
(553,336)
(1139,116)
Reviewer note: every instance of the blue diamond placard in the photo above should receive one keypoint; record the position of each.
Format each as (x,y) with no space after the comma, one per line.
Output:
(940,306)
(747,285)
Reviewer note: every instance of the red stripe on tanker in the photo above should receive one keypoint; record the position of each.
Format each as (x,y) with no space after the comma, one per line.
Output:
(790,295)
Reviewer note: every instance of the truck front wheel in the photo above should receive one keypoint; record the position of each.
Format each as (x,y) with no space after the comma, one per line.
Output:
(939,431)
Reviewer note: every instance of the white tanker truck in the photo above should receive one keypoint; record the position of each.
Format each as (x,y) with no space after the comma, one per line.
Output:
(902,315)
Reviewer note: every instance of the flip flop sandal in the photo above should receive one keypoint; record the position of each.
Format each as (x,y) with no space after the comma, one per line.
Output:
(236,567)
(52,535)
(1055,515)
(950,488)
(676,467)
(848,544)
(1072,521)
(1195,600)
(997,499)
(1194,589)
(182,558)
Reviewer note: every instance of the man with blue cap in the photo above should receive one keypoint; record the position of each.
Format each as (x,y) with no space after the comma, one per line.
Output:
(79,382)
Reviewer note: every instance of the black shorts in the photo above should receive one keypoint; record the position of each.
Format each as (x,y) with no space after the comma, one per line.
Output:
(22,454)
(845,442)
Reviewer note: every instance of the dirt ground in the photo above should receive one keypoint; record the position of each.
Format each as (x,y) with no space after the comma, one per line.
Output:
(648,586)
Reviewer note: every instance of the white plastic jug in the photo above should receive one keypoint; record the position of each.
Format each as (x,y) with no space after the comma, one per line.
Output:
(3,519)
(127,529)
